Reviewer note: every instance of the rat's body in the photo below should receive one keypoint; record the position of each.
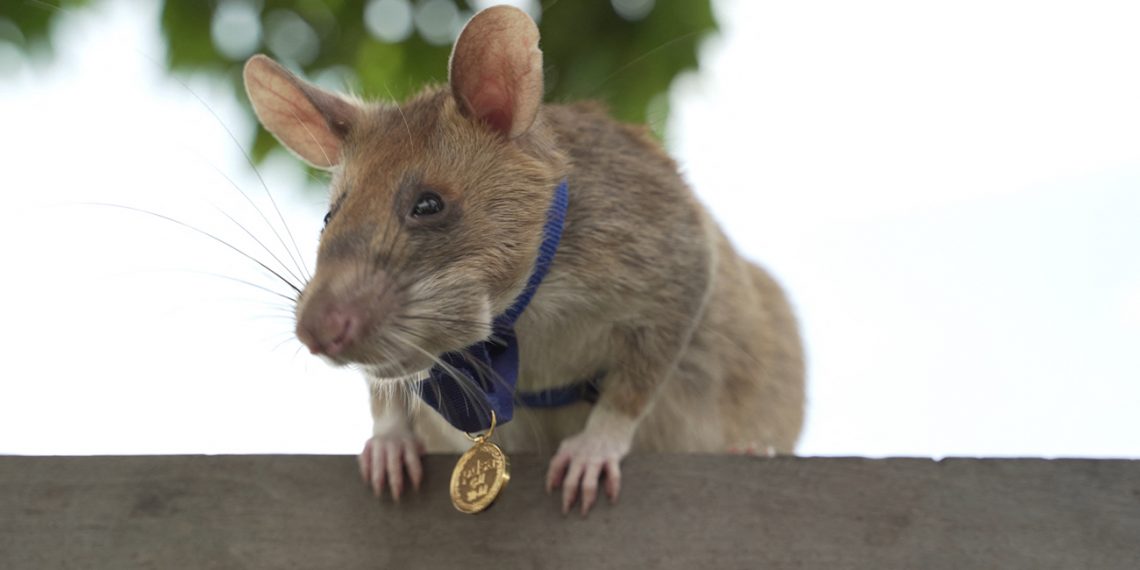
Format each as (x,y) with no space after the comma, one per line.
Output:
(437,212)
(737,382)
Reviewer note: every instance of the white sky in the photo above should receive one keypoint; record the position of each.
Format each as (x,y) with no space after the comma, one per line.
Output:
(950,193)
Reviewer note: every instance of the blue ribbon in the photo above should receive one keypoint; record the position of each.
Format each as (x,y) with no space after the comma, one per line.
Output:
(490,368)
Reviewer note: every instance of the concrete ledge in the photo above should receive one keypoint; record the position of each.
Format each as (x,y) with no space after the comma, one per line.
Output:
(707,512)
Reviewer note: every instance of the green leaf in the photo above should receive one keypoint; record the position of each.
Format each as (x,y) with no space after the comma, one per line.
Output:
(590,51)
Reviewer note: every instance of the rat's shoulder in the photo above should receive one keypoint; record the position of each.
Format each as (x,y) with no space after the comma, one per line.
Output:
(589,133)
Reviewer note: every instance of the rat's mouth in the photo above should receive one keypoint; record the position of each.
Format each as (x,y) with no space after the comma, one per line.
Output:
(397,369)
(383,373)
(389,331)
(386,362)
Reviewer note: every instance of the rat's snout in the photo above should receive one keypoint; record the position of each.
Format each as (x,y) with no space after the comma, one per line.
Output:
(340,308)
(331,330)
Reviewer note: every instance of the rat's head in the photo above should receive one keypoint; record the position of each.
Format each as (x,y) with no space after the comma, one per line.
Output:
(437,205)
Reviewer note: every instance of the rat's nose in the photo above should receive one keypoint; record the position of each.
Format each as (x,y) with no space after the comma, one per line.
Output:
(329,330)
(340,308)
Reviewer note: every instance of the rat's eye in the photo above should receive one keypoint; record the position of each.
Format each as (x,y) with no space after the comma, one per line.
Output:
(328,216)
(427,204)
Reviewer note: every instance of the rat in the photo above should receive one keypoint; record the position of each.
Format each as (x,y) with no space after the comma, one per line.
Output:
(437,209)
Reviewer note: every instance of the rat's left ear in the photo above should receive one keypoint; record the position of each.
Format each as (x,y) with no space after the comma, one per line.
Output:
(309,121)
(496,70)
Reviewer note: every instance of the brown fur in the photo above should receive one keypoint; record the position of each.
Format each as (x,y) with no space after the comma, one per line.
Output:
(645,287)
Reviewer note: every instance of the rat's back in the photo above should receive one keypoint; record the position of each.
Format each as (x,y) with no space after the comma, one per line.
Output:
(642,254)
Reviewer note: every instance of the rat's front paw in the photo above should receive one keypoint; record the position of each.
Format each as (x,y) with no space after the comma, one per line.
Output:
(581,461)
(386,456)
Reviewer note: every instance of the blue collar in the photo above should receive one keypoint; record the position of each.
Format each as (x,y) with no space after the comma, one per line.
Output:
(490,368)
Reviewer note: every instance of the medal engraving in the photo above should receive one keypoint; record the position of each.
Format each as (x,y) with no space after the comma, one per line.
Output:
(479,476)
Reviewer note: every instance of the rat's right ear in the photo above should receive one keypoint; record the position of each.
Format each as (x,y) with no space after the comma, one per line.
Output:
(308,120)
(496,70)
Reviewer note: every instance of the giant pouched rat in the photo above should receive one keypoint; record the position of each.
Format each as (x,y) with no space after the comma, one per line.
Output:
(436,214)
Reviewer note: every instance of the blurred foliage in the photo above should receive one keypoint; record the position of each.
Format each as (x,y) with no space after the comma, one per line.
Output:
(27,23)
(623,52)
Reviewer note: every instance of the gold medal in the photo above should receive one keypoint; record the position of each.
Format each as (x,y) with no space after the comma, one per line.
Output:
(480,474)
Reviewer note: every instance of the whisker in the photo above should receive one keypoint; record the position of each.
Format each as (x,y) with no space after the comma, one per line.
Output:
(300,265)
(249,160)
(520,410)
(273,229)
(287,339)
(401,110)
(269,318)
(640,58)
(273,292)
(249,283)
(387,355)
(296,351)
(199,231)
(448,320)
(461,379)
(488,373)
(312,137)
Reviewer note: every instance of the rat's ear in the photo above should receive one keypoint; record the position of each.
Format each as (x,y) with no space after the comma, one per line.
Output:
(308,120)
(496,70)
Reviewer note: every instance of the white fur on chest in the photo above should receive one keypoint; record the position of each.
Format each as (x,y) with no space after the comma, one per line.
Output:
(559,345)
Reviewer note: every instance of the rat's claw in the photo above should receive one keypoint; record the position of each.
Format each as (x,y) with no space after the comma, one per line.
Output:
(570,485)
(378,471)
(365,462)
(396,473)
(384,459)
(753,448)
(556,471)
(412,464)
(580,464)
(613,480)
(590,485)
